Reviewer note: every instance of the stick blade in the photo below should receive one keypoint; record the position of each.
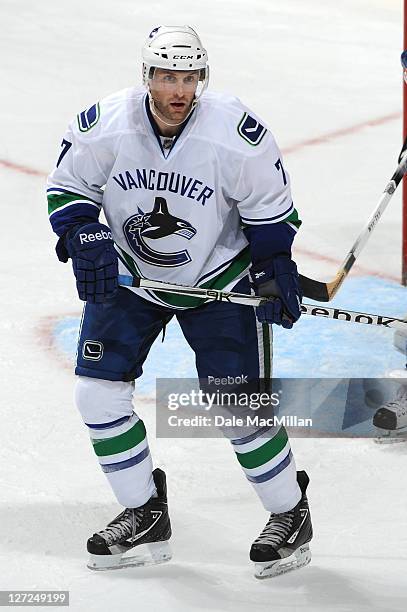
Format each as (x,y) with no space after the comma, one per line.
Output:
(313,289)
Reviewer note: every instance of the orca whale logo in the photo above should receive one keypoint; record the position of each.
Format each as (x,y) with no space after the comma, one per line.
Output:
(157,224)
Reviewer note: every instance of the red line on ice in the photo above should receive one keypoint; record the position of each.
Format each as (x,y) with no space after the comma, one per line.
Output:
(360,270)
(329,136)
(19,168)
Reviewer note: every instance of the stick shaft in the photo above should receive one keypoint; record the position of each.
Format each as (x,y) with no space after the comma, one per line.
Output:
(324,292)
(340,314)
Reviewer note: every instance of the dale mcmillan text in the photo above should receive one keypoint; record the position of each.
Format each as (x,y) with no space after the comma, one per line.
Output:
(256,421)
(249,420)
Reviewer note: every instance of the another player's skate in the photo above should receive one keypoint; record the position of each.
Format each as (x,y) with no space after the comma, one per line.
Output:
(283,545)
(391,419)
(138,536)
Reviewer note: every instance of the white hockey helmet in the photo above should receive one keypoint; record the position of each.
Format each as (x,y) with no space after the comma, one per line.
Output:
(175,48)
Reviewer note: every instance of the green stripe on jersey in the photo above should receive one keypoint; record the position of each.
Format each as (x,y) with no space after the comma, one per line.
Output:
(265,452)
(294,219)
(56,201)
(121,443)
(234,269)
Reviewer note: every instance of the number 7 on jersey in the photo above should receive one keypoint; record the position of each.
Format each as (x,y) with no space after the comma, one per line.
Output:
(279,166)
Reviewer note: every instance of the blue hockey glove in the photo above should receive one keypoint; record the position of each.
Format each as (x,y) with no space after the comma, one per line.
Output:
(94,261)
(278,278)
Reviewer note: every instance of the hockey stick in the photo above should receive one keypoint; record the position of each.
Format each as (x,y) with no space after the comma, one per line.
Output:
(251,300)
(324,292)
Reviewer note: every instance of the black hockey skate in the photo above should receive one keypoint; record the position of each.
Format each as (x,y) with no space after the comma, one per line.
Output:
(137,536)
(391,419)
(283,545)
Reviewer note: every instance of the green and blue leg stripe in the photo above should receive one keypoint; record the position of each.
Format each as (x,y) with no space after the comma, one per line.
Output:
(270,464)
(109,425)
(273,472)
(253,436)
(263,458)
(260,450)
(127,447)
(102,432)
(122,465)
(124,455)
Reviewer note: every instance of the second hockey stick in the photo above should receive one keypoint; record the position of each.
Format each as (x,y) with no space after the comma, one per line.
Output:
(340,314)
(324,292)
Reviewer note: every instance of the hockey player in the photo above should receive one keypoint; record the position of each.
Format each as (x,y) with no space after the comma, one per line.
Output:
(391,418)
(194,192)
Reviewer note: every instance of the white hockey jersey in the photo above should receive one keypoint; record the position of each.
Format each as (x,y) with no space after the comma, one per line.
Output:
(176,214)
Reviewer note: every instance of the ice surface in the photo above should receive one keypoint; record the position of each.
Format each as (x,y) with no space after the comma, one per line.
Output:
(315,347)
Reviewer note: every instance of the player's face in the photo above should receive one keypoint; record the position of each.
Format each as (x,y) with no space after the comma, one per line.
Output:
(173,92)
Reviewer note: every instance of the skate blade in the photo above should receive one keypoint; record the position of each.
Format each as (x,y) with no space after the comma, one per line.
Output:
(140,556)
(389,439)
(391,436)
(300,558)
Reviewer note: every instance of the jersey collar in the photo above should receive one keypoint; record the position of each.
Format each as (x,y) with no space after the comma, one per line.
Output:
(155,127)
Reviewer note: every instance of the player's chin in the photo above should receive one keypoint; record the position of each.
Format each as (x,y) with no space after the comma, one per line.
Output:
(179,111)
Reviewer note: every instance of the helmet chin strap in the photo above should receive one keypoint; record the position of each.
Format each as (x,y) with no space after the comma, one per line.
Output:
(155,112)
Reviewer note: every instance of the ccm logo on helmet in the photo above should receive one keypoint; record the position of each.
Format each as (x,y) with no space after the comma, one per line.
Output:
(93,237)
(183,57)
